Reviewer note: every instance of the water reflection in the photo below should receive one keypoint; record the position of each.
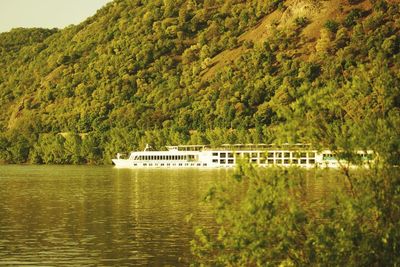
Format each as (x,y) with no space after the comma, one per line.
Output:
(79,215)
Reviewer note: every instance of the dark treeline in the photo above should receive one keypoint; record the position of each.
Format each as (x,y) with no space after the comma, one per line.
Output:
(143,72)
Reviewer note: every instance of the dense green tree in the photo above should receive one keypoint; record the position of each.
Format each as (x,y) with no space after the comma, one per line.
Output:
(271,218)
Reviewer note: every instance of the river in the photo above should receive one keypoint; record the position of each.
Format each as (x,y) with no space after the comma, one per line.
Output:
(101,216)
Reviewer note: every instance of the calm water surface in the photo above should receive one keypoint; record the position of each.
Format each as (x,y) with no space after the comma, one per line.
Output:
(100,216)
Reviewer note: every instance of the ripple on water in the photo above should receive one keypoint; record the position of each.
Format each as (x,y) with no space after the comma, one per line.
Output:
(99,216)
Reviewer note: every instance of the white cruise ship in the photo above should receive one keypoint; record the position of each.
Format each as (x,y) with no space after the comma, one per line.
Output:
(201,156)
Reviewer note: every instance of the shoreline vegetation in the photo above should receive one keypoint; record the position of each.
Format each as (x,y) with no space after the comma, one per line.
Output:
(269,217)
(179,72)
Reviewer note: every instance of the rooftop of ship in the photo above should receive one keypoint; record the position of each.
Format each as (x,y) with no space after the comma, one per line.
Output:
(236,147)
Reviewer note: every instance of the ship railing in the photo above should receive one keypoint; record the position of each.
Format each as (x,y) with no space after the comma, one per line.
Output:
(238,147)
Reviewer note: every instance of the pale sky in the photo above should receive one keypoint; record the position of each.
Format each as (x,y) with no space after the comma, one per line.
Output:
(46,13)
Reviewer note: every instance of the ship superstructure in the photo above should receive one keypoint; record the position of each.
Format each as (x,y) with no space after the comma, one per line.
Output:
(228,155)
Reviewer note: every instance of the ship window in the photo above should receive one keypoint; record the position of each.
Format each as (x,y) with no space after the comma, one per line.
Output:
(230,161)
(192,164)
(230,155)
(168,164)
(162,164)
(144,164)
(262,161)
(262,155)
(204,164)
(303,155)
(328,157)
(198,164)
(180,164)
(254,155)
(215,154)
(222,161)
(278,161)
(215,161)
(174,164)
(311,161)
(303,161)
(134,164)
(295,161)
(270,161)
(270,154)
(311,155)
(279,155)
(151,164)
(223,155)
(286,161)
(287,154)
(253,160)
(186,164)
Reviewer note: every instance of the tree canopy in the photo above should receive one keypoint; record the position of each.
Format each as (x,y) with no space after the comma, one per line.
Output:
(162,72)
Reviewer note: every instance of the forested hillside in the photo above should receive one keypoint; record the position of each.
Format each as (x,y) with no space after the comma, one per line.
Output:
(201,71)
